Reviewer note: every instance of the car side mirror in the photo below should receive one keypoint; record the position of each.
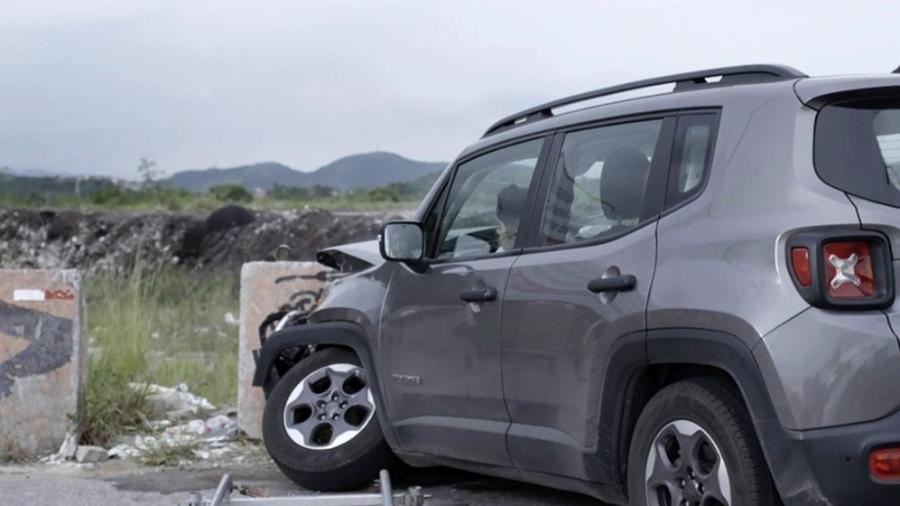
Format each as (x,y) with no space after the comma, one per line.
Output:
(402,241)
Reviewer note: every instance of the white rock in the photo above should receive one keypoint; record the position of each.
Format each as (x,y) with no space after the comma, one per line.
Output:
(144,442)
(175,402)
(221,425)
(122,451)
(159,424)
(230,319)
(90,454)
(195,427)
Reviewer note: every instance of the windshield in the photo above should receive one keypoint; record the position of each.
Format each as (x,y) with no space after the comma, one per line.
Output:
(857,148)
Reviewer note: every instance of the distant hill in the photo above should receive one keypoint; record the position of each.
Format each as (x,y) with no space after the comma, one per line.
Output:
(30,172)
(366,171)
(372,170)
(260,175)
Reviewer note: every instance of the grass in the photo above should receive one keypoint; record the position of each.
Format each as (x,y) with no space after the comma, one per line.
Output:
(165,454)
(158,324)
(174,200)
(110,408)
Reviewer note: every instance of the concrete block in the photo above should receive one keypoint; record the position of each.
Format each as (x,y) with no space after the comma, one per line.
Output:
(90,454)
(267,287)
(42,358)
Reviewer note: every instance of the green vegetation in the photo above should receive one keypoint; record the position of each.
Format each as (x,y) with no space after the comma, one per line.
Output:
(17,191)
(110,407)
(153,194)
(167,454)
(156,325)
(61,195)
(231,193)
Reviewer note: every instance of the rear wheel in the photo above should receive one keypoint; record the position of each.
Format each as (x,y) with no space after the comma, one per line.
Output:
(694,445)
(320,425)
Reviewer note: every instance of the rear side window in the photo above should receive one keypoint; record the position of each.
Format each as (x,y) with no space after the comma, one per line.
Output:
(599,182)
(857,148)
(691,155)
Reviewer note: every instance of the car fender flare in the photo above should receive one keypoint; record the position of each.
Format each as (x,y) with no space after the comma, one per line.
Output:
(335,333)
(784,454)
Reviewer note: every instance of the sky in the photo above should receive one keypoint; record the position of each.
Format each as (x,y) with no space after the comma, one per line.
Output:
(89,87)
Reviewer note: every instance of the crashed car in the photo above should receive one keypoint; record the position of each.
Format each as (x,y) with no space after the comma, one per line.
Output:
(685,298)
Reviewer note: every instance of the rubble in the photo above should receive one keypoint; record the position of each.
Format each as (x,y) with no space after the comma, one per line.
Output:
(206,438)
(113,240)
(176,403)
(90,454)
(212,438)
(123,451)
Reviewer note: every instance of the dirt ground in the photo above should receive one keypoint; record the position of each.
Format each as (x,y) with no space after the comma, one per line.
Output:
(125,483)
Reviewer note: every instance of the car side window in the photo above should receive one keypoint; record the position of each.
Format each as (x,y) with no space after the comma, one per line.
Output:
(691,155)
(487,199)
(599,182)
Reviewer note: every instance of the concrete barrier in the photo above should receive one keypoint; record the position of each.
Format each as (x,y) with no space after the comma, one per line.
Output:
(42,359)
(265,288)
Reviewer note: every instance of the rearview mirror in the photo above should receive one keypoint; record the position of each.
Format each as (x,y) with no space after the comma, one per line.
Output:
(402,241)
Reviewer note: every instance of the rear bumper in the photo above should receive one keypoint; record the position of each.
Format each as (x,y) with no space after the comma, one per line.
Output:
(831,466)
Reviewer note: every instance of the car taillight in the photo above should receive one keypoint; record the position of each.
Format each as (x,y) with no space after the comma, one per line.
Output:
(884,464)
(800,264)
(848,270)
(842,268)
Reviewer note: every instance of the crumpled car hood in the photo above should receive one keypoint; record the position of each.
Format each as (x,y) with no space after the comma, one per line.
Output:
(351,257)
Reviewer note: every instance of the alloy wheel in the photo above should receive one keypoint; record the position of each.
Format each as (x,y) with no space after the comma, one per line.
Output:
(685,467)
(330,407)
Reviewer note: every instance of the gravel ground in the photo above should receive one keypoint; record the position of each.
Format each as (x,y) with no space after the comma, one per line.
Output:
(125,483)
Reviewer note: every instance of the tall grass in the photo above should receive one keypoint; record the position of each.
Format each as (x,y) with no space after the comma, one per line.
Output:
(157,324)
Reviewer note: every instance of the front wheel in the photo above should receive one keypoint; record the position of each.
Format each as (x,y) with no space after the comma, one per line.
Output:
(320,425)
(694,445)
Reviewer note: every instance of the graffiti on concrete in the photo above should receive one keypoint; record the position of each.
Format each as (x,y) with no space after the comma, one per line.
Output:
(303,300)
(50,345)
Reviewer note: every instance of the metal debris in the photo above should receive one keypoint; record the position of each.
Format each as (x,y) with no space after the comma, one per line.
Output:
(387,497)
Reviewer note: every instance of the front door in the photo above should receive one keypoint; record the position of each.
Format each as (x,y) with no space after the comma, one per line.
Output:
(440,337)
(582,284)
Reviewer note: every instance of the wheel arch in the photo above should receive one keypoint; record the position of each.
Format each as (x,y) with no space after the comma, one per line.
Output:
(330,334)
(675,354)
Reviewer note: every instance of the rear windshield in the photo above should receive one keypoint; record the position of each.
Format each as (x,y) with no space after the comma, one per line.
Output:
(857,148)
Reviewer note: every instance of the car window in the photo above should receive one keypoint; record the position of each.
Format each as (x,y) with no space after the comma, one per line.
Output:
(690,155)
(486,201)
(887,134)
(599,182)
(857,148)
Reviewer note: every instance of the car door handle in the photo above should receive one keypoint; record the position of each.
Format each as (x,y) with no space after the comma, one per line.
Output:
(479,295)
(621,283)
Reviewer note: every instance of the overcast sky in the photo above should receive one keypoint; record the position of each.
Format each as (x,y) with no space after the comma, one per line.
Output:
(89,87)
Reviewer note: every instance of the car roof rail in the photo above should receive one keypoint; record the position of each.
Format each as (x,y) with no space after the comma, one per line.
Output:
(730,75)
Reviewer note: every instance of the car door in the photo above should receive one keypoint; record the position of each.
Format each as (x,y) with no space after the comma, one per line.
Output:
(579,289)
(440,331)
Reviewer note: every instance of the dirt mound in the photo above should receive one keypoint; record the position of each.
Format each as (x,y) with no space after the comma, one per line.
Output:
(223,240)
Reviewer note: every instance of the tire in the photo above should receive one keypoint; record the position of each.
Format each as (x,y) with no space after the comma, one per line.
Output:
(305,453)
(698,424)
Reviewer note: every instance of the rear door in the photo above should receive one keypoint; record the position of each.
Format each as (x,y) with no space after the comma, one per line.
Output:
(440,332)
(581,287)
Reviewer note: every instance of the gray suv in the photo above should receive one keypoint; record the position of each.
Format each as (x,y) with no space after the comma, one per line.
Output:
(685,298)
